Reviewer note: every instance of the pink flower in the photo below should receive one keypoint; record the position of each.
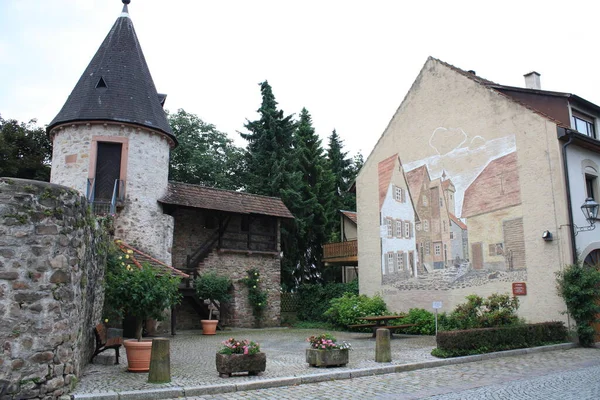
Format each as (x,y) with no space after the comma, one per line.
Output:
(245,349)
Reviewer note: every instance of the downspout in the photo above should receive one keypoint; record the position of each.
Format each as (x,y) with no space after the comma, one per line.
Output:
(569,202)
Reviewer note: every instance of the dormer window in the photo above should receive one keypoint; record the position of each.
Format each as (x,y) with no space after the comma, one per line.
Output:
(584,123)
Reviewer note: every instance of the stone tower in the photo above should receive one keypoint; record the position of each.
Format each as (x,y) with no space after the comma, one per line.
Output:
(112,141)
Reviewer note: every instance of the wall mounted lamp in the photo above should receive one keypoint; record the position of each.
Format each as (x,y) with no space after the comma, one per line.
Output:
(590,211)
(547,236)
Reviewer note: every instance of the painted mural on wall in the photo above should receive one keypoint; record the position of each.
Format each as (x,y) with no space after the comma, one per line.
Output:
(453,219)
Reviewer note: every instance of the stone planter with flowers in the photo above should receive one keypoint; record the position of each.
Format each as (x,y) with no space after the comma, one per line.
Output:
(325,351)
(240,356)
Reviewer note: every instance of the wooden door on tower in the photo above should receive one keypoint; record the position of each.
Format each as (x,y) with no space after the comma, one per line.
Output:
(108,169)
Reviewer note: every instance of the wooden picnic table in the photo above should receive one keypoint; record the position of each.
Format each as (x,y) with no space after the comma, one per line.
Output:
(381,321)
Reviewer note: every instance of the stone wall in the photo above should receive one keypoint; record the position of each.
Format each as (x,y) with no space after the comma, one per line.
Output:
(51,258)
(144,168)
(238,312)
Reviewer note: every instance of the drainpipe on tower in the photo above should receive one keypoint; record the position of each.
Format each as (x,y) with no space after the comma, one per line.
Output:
(562,132)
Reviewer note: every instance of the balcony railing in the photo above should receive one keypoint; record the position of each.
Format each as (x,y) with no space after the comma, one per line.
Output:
(341,251)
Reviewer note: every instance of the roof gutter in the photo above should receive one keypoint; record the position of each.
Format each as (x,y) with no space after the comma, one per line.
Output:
(562,132)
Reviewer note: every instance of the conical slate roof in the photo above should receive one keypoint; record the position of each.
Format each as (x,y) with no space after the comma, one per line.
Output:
(117,85)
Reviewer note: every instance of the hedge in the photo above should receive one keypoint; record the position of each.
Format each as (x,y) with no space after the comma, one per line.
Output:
(487,340)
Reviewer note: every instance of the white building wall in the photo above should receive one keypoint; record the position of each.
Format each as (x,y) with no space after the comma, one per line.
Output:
(141,221)
(397,211)
(579,161)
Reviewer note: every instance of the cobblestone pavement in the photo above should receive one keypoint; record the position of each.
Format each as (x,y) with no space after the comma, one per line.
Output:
(561,374)
(193,359)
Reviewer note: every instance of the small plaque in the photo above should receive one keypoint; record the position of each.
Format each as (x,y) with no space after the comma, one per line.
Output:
(519,288)
(436,305)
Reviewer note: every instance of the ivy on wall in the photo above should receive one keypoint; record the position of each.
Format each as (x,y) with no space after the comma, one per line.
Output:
(256,296)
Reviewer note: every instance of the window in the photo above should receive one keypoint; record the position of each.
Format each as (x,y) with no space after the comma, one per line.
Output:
(584,124)
(445,229)
(406,229)
(390,262)
(390,228)
(398,228)
(438,249)
(425,202)
(397,193)
(426,226)
(496,249)
(441,202)
(451,235)
(428,248)
(400,260)
(418,226)
(590,186)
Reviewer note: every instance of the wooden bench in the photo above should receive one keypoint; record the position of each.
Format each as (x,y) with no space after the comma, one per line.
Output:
(103,343)
(396,326)
(362,326)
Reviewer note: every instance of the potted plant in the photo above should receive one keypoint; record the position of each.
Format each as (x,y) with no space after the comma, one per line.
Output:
(140,291)
(215,288)
(325,351)
(240,356)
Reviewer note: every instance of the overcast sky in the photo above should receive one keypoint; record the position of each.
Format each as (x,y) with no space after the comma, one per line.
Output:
(350,63)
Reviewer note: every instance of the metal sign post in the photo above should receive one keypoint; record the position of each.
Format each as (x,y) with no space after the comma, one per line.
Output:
(436,305)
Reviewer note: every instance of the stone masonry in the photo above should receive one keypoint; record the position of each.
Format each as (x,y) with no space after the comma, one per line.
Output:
(51,258)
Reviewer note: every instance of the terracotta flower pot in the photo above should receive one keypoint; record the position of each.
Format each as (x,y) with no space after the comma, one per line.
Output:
(138,354)
(209,326)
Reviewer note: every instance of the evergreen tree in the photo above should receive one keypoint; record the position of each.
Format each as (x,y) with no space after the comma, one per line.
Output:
(271,170)
(25,150)
(317,195)
(204,156)
(344,172)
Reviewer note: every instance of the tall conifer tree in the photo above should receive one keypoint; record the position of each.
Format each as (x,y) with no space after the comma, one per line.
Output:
(271,170)
(317,195)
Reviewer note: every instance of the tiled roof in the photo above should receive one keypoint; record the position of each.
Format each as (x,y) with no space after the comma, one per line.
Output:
(415,179)
(138,258)
(183,194)
(457,221)
(385,169)
(351,215)
(117,85)
(496,187)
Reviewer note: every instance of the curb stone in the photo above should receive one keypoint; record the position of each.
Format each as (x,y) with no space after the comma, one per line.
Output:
(167,393)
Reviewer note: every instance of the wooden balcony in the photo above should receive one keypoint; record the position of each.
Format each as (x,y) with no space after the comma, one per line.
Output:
(341,253)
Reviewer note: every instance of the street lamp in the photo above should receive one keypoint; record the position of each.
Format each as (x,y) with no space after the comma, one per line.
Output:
(590,211)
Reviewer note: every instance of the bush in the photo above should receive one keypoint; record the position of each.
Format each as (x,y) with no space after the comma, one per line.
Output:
(348,309)
(314,299)
(486,340)
(579,286)
(497,310)
(424,319)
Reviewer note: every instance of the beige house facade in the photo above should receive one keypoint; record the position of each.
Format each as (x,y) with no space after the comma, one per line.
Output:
(486,174)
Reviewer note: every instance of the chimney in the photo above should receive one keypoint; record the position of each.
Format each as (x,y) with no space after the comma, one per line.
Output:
(532,80)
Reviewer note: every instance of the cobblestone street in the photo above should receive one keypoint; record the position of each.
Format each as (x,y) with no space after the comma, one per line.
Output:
(563,374)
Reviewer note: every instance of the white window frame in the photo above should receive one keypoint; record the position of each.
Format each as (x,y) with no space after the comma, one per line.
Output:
(437,248)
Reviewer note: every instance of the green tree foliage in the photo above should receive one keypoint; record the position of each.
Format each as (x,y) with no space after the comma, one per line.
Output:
(140,292)
(348,309)
(344,171)
(25,150)
(205,156)
(272,170)
(313,299)
(316,193)
(579,286)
